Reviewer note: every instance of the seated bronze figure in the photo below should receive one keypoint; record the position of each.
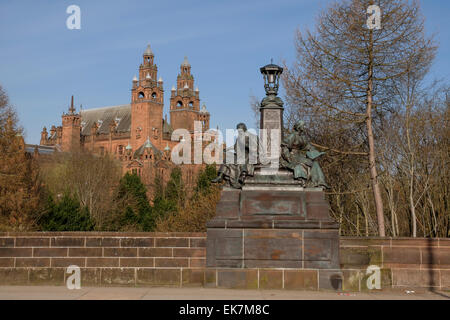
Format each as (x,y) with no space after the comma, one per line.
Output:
(298,155)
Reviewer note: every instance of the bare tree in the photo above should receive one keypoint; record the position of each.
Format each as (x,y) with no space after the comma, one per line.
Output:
(345,71)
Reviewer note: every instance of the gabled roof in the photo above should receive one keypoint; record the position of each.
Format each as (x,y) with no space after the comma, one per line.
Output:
(147,145)
(104,117)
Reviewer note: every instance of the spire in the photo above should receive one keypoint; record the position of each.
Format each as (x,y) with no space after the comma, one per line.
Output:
(173,88)
(72,107)
(186,86)
(148,51)
(185,62)
(135,78)
(196,89)
(148,144)
(160,79)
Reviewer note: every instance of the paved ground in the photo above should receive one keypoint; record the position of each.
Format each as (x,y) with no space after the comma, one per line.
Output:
(62,293)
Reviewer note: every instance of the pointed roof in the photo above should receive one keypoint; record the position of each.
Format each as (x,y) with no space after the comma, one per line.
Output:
(72,107)
(186,86)
(185,62)
(203,110)
(148,51)
(135,78)
(146,145)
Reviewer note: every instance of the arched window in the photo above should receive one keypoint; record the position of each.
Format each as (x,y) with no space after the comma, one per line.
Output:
(191,104)
(179,104)
(141,95)
(154,95)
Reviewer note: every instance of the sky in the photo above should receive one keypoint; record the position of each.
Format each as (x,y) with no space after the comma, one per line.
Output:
(43,63)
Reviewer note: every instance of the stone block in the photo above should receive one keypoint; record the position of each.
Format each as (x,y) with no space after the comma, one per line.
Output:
(120,252)
(85,252)
(210,278)
(102,242)
(102,262)
(137,262)
(47,276)
(301,280)
(171,242)
(137,242)
(13,276)
(224,247)
(67,242)
(318,211)
(272,245)
(445,279)
(272,203)
(401,255)
(6,242)
(270,279)
(189,252)
(227,209)
(360,257)
(32,242)
(16,252)
(193,277)
(197,263)
(118,276)
(158,277)
(6,262)
(415,278)
(50,252)
(66,262)
(330,280)
(171,262)
(351,280)
(238,278)
(89,277)
(155,252)
(32,262)
(197,242)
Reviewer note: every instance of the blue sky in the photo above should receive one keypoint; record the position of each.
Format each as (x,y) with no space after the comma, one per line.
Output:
(42,63)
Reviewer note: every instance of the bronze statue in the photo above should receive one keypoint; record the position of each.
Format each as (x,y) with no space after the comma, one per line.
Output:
(235,173)
(298,155)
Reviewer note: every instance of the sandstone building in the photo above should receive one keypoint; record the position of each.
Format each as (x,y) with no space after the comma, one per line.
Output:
(138,134)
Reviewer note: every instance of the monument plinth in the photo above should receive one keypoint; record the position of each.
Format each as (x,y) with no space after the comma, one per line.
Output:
(276,217)
(272,223)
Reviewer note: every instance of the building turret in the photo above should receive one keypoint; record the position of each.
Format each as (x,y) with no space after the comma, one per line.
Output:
(71,129)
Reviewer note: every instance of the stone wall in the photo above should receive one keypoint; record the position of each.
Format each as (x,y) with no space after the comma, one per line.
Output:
(178,259)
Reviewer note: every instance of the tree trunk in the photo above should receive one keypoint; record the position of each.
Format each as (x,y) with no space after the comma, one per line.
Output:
(372,165)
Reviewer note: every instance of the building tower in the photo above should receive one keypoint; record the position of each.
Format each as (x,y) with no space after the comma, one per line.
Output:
(147,101)
(71,130)
(184,100)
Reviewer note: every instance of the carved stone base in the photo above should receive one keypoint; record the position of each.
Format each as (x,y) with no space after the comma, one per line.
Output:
(273,223)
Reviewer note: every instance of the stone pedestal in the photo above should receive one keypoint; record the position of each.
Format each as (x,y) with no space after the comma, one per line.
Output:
(273,223)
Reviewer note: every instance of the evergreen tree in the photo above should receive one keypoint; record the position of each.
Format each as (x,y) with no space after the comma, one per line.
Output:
(135,207)
(66,215)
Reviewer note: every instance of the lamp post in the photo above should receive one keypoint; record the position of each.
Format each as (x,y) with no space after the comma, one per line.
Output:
(271,109)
